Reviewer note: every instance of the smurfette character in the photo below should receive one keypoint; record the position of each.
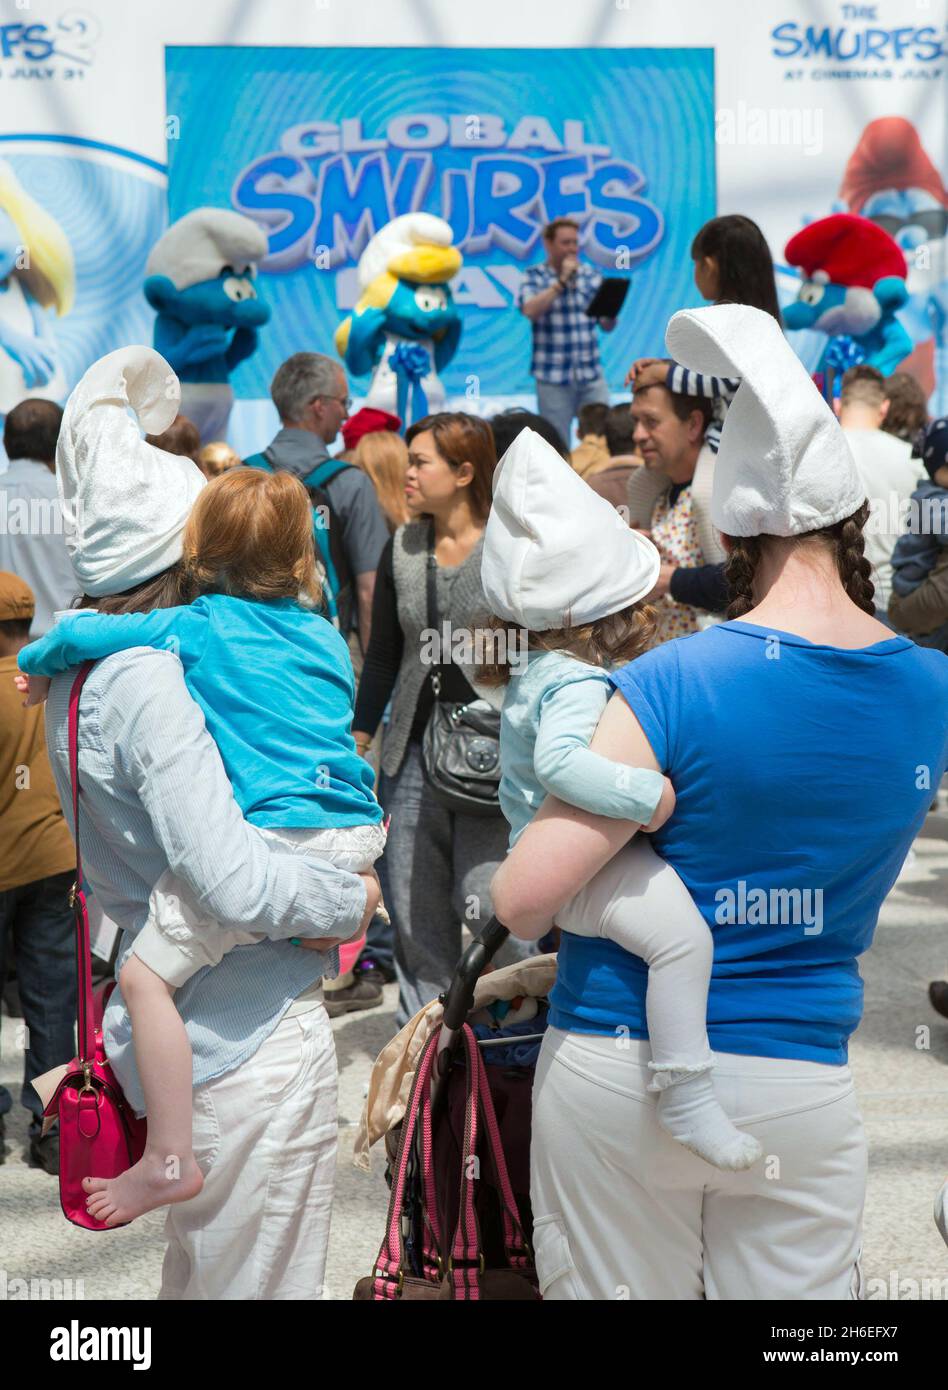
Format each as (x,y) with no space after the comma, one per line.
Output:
(405,327)
(201,280)
(37,273)
(853,286)
(891,180)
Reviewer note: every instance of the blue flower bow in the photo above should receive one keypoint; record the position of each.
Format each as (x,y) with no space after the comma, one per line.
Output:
(842,353)
(410,363)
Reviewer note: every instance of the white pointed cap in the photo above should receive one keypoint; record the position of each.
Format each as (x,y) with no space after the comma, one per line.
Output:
(202,242)
(555,552)
(125,503)
(784,466)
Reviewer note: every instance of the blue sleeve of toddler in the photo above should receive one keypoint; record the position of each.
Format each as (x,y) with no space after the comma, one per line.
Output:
(84,636)
(565,765)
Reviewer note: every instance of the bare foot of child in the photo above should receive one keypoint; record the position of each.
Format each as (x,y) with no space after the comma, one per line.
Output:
(154,1181)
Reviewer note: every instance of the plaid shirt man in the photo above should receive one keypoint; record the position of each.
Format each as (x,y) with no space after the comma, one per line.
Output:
(565,345)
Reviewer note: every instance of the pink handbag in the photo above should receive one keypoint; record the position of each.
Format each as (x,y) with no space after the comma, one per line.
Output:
(99,1134)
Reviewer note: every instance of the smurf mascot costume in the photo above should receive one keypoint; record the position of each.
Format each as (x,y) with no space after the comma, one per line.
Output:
(853,286)
(200,280)
(405,325)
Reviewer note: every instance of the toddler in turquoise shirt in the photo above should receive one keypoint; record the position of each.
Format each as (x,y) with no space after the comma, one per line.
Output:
(561,562)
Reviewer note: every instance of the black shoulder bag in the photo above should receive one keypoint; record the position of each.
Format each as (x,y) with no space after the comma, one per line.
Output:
(460,750)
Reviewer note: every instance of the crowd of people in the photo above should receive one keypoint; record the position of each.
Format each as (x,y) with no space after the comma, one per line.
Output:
(256,772)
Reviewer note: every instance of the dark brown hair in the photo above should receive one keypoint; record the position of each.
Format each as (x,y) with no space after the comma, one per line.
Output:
(844,536)
(461,438)
(31,430)
(862,383)
(181,437)
(551,228)
(907,414)
(169,589)
(607,642)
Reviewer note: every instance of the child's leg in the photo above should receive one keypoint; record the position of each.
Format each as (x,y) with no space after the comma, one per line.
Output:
(167,1171)
(175,942)
(639,902)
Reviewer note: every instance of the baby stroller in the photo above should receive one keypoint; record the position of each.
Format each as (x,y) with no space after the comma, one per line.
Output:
(451,1095)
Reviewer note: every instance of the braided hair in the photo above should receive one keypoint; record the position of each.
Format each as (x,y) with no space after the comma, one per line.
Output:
(848,543)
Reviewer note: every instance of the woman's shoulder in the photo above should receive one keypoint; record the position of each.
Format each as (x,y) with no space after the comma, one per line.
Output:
(411,538)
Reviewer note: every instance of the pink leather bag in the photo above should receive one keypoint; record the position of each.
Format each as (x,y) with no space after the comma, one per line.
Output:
(99,1135)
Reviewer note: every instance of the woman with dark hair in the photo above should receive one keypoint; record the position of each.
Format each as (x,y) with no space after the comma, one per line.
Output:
(437,865)
(798,797)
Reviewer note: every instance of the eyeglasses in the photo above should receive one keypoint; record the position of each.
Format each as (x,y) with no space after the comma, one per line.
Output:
(344,401)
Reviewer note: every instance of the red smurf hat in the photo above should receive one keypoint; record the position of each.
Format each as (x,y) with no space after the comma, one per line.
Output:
(367,421)
(846,250)
(889,155)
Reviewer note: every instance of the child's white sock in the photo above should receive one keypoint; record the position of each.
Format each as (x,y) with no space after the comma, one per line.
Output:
(689,1110)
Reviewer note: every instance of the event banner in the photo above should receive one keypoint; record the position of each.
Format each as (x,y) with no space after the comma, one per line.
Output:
(323,146)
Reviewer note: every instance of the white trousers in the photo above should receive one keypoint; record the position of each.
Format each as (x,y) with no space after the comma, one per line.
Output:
(265,1140)
(622,1211)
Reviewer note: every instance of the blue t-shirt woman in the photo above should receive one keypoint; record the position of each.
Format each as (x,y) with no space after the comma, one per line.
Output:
(803,767)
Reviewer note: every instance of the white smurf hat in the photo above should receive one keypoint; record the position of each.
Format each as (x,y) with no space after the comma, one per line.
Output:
(417,245)
(125,503)
(199,245)
(555,552)
(783,466)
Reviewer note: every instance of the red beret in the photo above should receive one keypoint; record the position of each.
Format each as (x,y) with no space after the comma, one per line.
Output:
(889,155)
(850,250)
(367,421)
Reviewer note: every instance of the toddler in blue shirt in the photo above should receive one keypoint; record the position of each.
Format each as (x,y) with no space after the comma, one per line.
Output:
(560,561)
(275,683)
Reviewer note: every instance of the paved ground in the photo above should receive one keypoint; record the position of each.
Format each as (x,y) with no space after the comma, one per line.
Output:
(899,1056)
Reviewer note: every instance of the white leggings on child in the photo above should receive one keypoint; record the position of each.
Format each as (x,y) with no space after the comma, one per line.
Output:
(639,902)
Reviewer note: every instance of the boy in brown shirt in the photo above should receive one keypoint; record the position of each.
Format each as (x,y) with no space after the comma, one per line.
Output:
(37,868)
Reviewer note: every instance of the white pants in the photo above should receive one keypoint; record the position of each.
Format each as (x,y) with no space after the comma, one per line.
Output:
(179,938)
(265,1140)
(622,1211)
(638,901)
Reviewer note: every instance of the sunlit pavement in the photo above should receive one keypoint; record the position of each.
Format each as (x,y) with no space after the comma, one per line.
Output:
(899,1058)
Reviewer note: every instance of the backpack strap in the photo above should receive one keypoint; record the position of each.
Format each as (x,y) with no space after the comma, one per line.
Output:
(324,472)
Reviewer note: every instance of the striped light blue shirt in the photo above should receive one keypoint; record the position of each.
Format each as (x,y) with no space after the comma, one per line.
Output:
(154,795)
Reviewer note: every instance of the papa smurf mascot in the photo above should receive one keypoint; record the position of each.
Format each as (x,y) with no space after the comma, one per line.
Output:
(853,286)
(405,327)
(892,181)
(201,276)
(37,274)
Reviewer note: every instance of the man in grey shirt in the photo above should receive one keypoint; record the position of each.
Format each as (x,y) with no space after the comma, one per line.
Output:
(32,543)
(311,395)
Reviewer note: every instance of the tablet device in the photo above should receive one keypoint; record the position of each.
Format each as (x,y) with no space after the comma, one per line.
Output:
(608,299)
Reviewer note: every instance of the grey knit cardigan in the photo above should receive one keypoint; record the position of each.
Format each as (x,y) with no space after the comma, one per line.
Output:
(467,610)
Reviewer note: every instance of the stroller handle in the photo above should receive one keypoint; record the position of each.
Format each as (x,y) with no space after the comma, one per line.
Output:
(460,993)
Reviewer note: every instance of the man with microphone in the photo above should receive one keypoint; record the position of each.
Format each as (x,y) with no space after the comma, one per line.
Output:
(554,296)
